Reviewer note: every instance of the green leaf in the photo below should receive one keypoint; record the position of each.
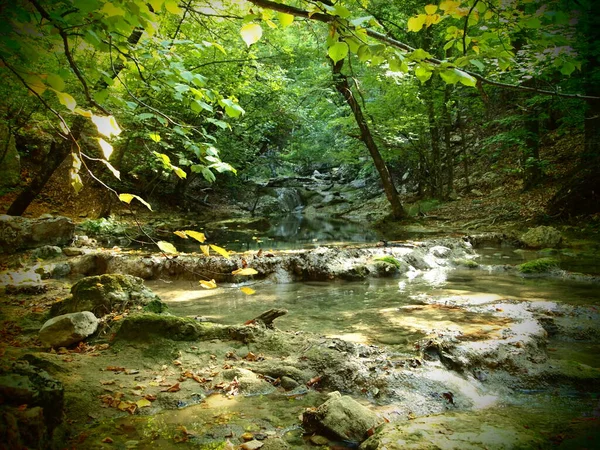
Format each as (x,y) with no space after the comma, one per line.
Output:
(56,82)
(466,79)
(360,21)
(477,64)
(341,11)
(166,247)
(222,125)
(251,33)
(338,51)
(232,109)
(285,19)
(567,68)
(208,175)
(364,53)
(66,100)
(422,73)
(419,55)
(198,105)
(172,7)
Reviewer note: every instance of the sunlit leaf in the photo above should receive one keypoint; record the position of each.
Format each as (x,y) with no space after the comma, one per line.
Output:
(107,125)
(205,250)
(246,271)
(466,79)
(338,51)
(83,112)
(172,7)
(126,198)
(431,9)
(66,100)
(251,33)
(285,19)
(107,149)
(56,82)
(422,73)
(110,167)
(143,403)
(179,172)
(167,247)
(76,182)
(247,290)
(208,284)
(221,251)
(154,136)
(416,23)
(196,235)
(181,234)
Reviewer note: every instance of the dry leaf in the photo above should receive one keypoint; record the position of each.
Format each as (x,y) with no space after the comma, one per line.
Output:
(247,290)
(173,388)
(246,271)
(143,403)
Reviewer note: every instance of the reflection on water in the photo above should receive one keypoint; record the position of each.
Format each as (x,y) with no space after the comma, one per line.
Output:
(376,311)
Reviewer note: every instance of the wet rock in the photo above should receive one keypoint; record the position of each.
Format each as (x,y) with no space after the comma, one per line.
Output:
(102,294)
(72,251)
(68,329)
(492,240)
(440,251)
(20,233)
(542,237)
(342,417)
(29,288)
(252,445)
(493,430)
(289,383)
(538,266)
(47,252)
(88,265)
(318,440)
(33,427)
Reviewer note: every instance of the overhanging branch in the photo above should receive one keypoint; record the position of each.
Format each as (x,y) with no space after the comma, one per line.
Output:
(297,12)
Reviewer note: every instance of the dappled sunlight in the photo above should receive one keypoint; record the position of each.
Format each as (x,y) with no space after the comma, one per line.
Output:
(464,388)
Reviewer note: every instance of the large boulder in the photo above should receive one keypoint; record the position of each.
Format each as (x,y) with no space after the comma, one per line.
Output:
(68,329)
(32,427)
(10,161)
(341,417)
(19,233)
(102,294)
(542,237)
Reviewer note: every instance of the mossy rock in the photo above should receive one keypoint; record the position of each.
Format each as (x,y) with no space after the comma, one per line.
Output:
(389,260)
(148,326)
(156,306)
(542,265)
(102,294)
(468,263)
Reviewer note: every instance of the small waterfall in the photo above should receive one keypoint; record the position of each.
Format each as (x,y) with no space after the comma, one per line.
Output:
(289,199)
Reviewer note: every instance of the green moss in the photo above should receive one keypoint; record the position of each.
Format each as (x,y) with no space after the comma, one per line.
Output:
(390,260)
(149,326)
(156,306)
(468,263)
(541,265)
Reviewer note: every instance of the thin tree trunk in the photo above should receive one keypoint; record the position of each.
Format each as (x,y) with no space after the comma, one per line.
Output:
(58,152)
(449,153)
(343,87)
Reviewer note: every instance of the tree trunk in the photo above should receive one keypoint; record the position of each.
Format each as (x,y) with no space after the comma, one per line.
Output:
(531,154)
(435,168)
(449,152)
(343,87)
(58,152)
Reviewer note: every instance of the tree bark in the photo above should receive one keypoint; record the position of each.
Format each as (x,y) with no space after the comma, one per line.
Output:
(343,87)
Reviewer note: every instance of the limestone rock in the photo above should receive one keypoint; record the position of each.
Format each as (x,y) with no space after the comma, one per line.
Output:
(19,233)
(342,417)
(46,252)
(102,294)
(275,444)
(68,329)
(247,381)
(542,237)
(10,164)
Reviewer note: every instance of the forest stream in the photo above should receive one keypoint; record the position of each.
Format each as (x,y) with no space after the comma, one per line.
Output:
(445,345)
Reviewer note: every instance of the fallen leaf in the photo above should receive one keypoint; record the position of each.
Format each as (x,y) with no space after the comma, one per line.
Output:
(150,397)
(107,440)
(173,388)
(177,362)
(143,403)
(115,369)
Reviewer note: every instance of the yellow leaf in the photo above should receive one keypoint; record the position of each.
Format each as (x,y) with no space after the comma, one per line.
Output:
(432,20)
(208,284)
(196,235)
(166,247)
(251,33)
(107,125)
(181,234)
(417,22)
(205,250)
(285,19)
(35,84)
(431,9)
(179,172)
(155,137)
(66,100)
(143,403)
(221,251)
(271,23)
(76,182)
(126,198)
(247,290)
(246,271)
(83,112)
(107,149)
